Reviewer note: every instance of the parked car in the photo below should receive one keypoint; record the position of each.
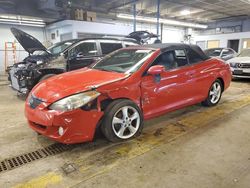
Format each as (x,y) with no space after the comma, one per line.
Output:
(124,88)
(62,57)
(222,53)
(143,37)
(240,65)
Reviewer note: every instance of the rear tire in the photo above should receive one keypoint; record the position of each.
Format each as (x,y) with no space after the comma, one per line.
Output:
(214,94)
(46,76)
(122,121)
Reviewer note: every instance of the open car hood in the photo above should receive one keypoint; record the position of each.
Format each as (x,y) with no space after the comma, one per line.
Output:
(28,42)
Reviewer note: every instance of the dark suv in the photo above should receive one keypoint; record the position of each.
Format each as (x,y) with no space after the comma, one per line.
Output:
(43,63)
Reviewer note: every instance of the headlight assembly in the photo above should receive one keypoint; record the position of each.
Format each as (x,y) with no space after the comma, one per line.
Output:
(74,101)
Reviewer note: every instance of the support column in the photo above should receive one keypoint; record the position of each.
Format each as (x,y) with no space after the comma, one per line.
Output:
(134,13)
(158,17)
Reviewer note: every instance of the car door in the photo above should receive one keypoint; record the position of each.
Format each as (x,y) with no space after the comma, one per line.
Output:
(200,77)
(170,90)
(82,55)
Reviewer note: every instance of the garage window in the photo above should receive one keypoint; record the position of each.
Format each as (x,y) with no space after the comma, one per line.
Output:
(109,47)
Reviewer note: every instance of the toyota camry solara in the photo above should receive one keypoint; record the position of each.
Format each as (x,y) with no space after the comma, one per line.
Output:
(122,90)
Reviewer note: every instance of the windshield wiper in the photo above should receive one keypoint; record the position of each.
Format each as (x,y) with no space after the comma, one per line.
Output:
(108,70)
(103,69)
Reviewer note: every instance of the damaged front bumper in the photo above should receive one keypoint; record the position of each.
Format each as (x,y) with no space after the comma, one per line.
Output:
(72,127)
(21,78)
(16,83)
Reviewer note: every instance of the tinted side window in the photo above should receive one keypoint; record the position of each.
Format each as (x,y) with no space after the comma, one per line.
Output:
(109,47)
(172,59)
(227,52)
(194,57)
(85,48)
(88,48)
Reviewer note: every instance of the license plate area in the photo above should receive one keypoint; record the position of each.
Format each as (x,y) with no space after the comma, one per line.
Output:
(238,72)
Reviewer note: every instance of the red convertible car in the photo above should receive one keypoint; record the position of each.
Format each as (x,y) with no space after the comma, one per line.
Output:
(122,90)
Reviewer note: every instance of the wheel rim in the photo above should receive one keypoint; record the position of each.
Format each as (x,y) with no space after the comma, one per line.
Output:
(215,92)
(126,122)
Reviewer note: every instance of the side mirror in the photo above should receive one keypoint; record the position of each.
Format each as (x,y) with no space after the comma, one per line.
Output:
(156,70)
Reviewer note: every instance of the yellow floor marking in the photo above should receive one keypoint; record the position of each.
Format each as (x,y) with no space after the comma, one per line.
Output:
(44,181)
(211,114)
(114,155)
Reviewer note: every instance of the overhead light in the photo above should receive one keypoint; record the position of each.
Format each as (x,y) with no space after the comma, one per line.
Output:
(164,21)
(185,12)
(17,20)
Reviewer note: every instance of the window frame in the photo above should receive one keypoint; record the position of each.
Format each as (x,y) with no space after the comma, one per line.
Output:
(175,69)
(189,58)
(85,41)
(108,41)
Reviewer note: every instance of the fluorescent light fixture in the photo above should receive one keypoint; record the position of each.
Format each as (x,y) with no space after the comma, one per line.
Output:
(164,21)
(185,12)
(17,20)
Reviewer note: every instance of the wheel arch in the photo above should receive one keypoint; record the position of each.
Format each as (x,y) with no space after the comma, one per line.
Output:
(107,101)
(104,104)
(51,71)
(222,82)
(43,72)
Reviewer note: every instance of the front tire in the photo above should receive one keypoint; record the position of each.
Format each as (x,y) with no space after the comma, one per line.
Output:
(123,120)
(214,94)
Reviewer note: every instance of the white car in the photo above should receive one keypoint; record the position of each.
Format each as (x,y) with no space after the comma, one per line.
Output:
(240,65)
(222,53)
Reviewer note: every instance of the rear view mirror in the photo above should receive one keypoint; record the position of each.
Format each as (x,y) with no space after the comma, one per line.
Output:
(156,69)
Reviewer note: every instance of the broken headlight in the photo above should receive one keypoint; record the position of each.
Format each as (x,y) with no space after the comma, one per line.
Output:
(74,101)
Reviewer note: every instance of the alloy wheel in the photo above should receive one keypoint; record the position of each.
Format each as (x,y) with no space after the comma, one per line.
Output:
(126,122)
(215,92)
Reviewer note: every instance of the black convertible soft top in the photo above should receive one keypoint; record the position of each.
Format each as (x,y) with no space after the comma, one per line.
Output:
(171,46)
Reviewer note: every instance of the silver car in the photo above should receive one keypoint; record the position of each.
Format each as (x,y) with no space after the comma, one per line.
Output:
(222,53)
(240,65)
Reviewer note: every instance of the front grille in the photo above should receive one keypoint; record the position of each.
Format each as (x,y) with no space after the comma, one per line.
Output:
(241,74)
(240,65)
(34,102)
(245,65)
(41,127)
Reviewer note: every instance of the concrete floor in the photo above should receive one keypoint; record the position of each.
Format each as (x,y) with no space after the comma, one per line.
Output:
(192,147)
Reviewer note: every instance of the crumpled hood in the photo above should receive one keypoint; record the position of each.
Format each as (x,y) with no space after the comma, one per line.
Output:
(35,58)
(239,60)
(67,84)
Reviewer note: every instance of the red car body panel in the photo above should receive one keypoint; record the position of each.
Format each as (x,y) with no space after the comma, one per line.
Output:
(64,85)
(178,88)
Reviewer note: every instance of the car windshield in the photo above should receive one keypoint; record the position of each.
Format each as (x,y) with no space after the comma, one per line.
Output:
(213,52)
(124,61)
(57,48)
(244,53)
